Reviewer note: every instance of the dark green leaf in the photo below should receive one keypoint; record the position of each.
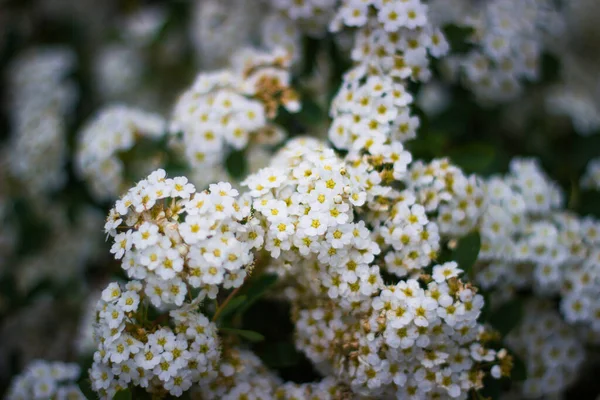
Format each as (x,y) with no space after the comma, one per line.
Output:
(251,336)
(311,50)
(236,164)
(257,288)
(123,395)
(429,145)
(233,305)
(473,157)
(519,370)
(311,113)
(492,389)
(458,37)
(281,355)
(486,310)
(466,251)
(589,203)
(506,317)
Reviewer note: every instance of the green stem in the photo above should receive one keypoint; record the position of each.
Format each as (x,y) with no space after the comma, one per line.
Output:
(224,304)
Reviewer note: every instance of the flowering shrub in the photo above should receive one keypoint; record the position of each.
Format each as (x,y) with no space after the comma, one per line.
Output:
(308,199)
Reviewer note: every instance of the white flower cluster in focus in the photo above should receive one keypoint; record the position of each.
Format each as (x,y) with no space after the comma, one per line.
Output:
(228,109)
(413,241)
(443,188)
(39,102)
(43,380)
(369,111)
(408,342)
(394,37)
(174,238)
(103,142)
(138,352)
(304,211)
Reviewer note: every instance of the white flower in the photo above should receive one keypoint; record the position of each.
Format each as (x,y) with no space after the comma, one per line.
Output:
(445,271)
(129,301)
(111,293)
(146,235)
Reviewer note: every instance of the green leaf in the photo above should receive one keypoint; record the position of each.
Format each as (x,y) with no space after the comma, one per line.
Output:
(506,317)
(236,164)
(123,395)
(281,355)
(519,369)
(310,49)
(257,289)
(466,251)
(589,203)
(233,305)
(311,113)
(458,37)
(473,157)
(492,389)
(251,336)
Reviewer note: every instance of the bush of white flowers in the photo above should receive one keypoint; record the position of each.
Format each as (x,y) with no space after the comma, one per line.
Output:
(300,199)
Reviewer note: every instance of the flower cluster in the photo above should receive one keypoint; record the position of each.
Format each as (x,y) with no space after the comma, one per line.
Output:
(407,342)
(43,380)
(507,38)
(392,45)
(394,37)
(576,96)
(173,237)
(443,188)
(231,108)
(312,16)
(304,203)
(242,375)
(40,100)
(581,107)
(550,349)
(528,241)
(370,110)
(412,240)
(118,71)
(278,32)
(101,157)
(135,351)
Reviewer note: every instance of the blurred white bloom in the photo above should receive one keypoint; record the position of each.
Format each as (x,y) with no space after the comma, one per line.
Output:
(106,138)
(41,99)
(43,380)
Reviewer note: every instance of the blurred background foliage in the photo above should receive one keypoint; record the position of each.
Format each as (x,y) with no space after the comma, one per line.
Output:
(479,139)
